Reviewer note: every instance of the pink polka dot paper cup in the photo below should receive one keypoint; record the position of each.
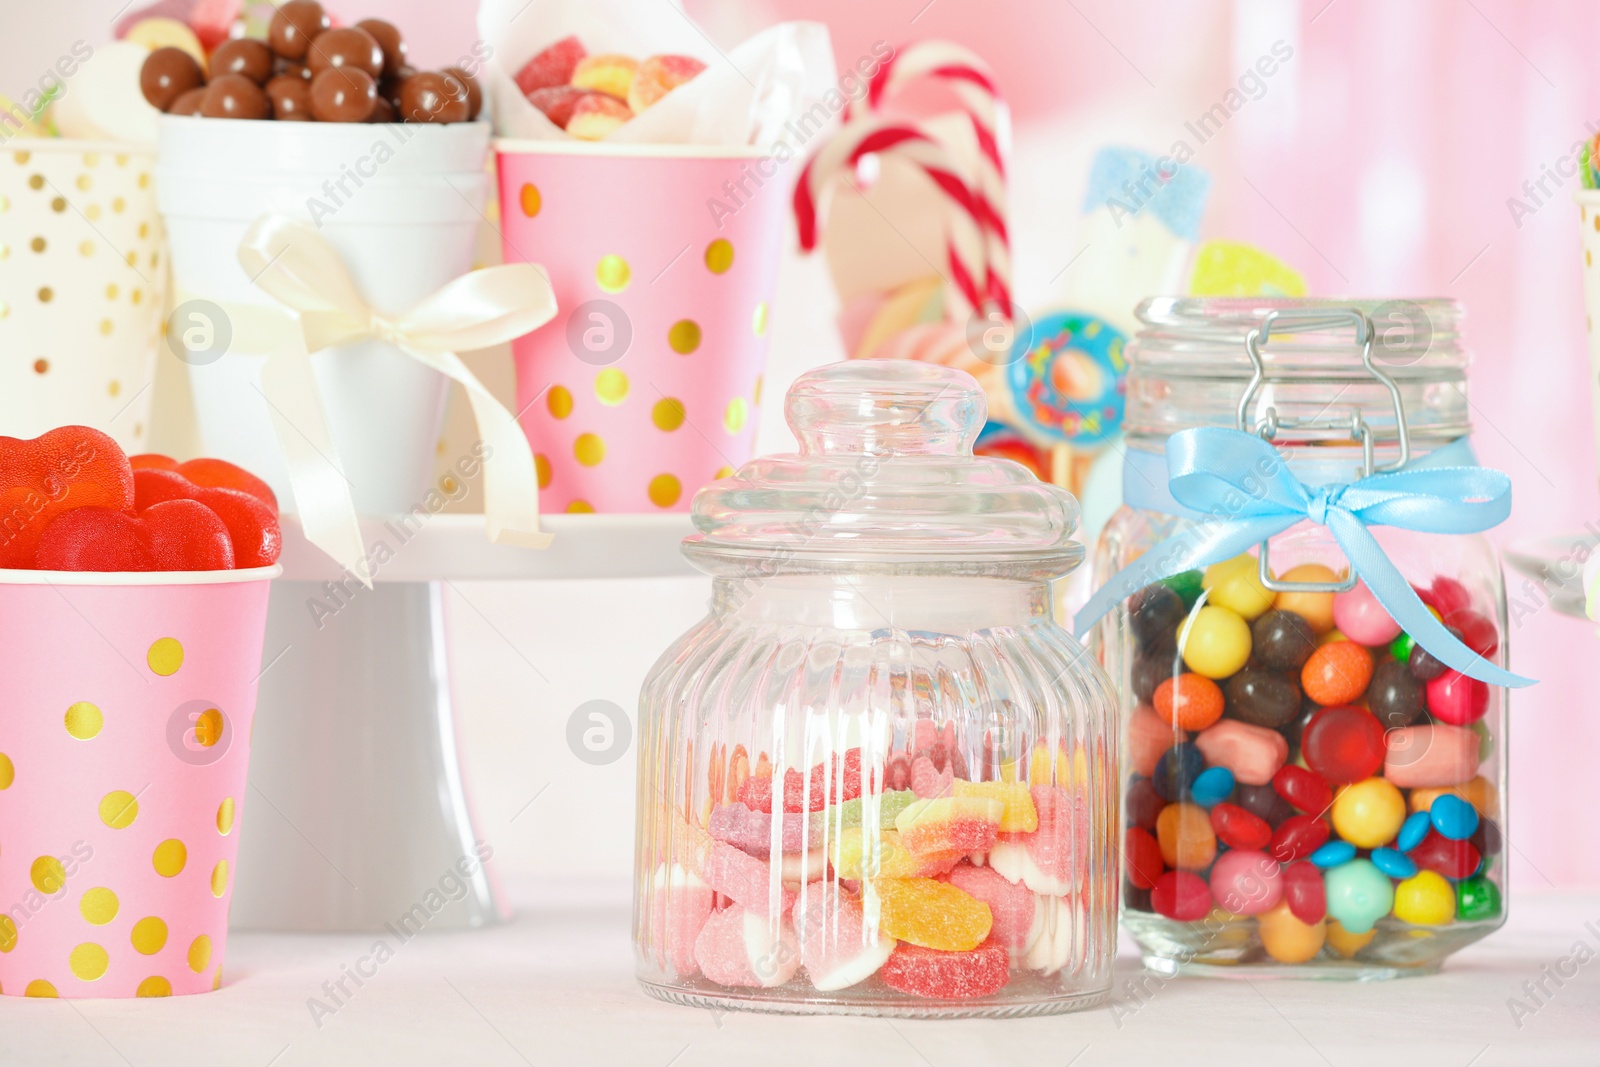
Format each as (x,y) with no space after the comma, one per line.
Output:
(126,703)
(663,259)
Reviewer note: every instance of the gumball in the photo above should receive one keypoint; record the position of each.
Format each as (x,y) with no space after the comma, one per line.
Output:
(1477,632)
(1142,803)
(1303,891)
(1238,828)
(1394,863)
(1369,813)
(1394,696)
(1337,673)
(1287,938)
(1212,786)
(1413,831)
(1360,617)
(1262,698)
(1425,899)
(1400,648)
(1188,585)
(1235,584)
(1246,882)
(1264,803)
(1315,608)
(1343,745)
(1453,817)
(1358,895)
(1344,942)
(1304,789)
(1457,699)
(1141,858)
(1189,701)
(1181,895)
(1453,859)
(1298,837)
(1477,899)
(1214,641)
(1154,614)
(1184,833)
(1177,769)
(1333,854)
(1424,665)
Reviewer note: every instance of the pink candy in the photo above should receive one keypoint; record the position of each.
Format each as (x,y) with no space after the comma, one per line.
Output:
(680,905)
(1252,753)
(738,948)
(1246,882)
(836,946)
(1011,905)
(1046,861)
(1457,699)
(751,831)
(1360,617)
(1149,737)
(1430,756)
(745,879)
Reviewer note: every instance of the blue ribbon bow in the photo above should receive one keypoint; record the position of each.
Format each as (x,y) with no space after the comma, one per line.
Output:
(1243,490)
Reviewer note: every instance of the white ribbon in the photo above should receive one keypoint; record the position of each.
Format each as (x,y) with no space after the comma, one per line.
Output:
(297,267)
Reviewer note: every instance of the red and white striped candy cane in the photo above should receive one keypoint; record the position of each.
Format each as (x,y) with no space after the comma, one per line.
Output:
(837,160)
(973,83)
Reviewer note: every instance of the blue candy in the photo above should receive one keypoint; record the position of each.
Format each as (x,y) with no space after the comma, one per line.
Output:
(1412,831)
(1453,817)
(1333,854)
(1177,770)
(1394,864)
(1212,787)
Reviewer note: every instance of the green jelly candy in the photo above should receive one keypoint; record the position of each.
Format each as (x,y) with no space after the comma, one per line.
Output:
(1186,585)
(1477,898)
(1400,648)
(1358,895)
(849,814)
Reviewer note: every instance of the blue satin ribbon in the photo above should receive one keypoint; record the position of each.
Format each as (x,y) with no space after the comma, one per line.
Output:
(1243,492)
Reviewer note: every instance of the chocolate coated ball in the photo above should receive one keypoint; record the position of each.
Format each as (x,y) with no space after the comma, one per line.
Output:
(294,27)
(233,96)
(343,94)
(291,98)
(388,38)
(431,97)
(188,103)
(243,55)
(348,47)
(474,90)
(167,74)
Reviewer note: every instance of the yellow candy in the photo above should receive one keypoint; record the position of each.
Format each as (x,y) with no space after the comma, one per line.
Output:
(1018,815)
(1344,942)
(1215,641)
(888,859)
(1425,899)
(1235,584)
(1286,938)
(1231,268)
(1368,814)
(1480,793)
(1315,608)
(932,914)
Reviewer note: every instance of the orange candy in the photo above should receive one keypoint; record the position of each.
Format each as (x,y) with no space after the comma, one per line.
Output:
(1186,838)
(1190,701)
(1337,673)
(1315,608)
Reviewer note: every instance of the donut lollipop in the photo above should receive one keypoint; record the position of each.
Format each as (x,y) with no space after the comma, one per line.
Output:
(1066,383)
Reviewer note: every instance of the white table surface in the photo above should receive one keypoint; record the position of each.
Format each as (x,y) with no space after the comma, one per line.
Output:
(555,986)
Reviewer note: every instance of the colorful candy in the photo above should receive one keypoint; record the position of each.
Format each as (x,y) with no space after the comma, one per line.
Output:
(1252,753)
(737,948)
(1018,814)
(1289,939)
(1283,640)
(1425,899)
(1181,895)
(950,824)
(1393,863)
(1346,943)
(1315,608)
(1304,892)
(1048,860)
(838,948)
(1337,673)
(1238,828)
(1013,907)
(1333,854)
(1431,755)
(1303,789)
(1395,697)
(1457,699)
(1185,836)
(929,913)
(1189,701)
(1262,698)
(1235,584)
(751,831)
(857,855)
(1453,859)
(1358,895)
(1477,899)
(1212,786)
(1453,817)
(1358,615)
(1176,770)
(1412,831)
(923,972)
(1149,738)
(681,904)
(1214,641)
(54,473)
(1299,836)
(1369,813)
(1343,744)
(1246,882)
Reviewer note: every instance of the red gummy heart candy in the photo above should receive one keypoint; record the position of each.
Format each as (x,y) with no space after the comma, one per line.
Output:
(252,525)
(174,535)
(69,467)
(152,461)
(220,474)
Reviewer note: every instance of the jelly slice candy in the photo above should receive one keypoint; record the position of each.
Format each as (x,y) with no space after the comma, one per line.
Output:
(658,76)
(680,904)
(746,880)
(220,474)
(1052,858)
(40,479)
(1012,907)
(837,946)
(924,972)
(887,807)
(252,524)
(751,831)
(933,914)
(739,948)
(950,824)
(858,855)
(174,535)
(551,67)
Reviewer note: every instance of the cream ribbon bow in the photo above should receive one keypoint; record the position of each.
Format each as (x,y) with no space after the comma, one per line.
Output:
(301,270)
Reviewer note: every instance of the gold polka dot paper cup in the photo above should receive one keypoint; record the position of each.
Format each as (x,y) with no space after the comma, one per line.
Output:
(82,287)
(126,703)
(663,259)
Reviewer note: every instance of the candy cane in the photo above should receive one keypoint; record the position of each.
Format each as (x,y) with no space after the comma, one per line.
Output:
(838,158)
(972,82)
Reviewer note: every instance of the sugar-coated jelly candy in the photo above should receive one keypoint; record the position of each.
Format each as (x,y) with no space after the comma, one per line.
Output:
(857,854)
(152,461)
(1252,753)
(837,947)
(924,972)
(1012,907)
(1176,771)
(745,880)
(1235,584)
(1017,815)
(1181,895)
(1425,899)
(1477,631)
(1189,701)
(933,914)
(1283,641)
(1346,943)
(1424,665)
(1298,837)
(1142,803)
(1394,696)
(1263,802)
(1262,698)
(1289,939)
(1457,699)
(737,947)
(1432,754)
(1149,738)
(1154,614)
(1358,615)
(1358,895)
(1343,744)
(1453,859)
(1051,860)
(1304,892)
(1337,673)
(68,467)
(1394,863)
(1185,836)
(950,824)
(1453,817)
(1303,789)
(751,831)
(680,905)
(1477,899)
(884,807)
(1368,813)
(1238,828)
(1212,786)
(1412,831)
(1214,641)
(1315,608)
(1246,882)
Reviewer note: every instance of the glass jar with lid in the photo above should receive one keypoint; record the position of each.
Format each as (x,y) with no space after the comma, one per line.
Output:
(1309,635)
(878,778)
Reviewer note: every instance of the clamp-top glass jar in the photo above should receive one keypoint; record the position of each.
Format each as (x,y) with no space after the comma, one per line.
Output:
(878,778)
(1315,766)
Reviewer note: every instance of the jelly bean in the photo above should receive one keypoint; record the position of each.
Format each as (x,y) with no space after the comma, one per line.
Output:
(1477,899)
(1262,698)
(1486,838)
(1453,859)
(1175,772)
(1238,828)
(1152,666)
(1425,899)
(1141,858)
(1360,617)
(1424,665)
(1264,803)
(1333,854)
(1235,584)
(1142,803)
(1315,608)
(1446,595)
(1453,817)
(1430,755)
(1188,585)
(1154,614)
(1358,895)
(1303,789)
(1246,882)
(1287,938)
(1479,792)
(1212,786)
(1456,699)
(1394,864)
(1252,753)
(1298,837)
(1343,744)
(1337,673)
(1189,701)
(1369,813)
(1181,895)
(1394,696)
(1344,942)
(1149,738)
(929,913)
(1214,641)
(1304,892)
(1185,836)
(1400,648)
(1283,640)
(1477,632)
(1412,831)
